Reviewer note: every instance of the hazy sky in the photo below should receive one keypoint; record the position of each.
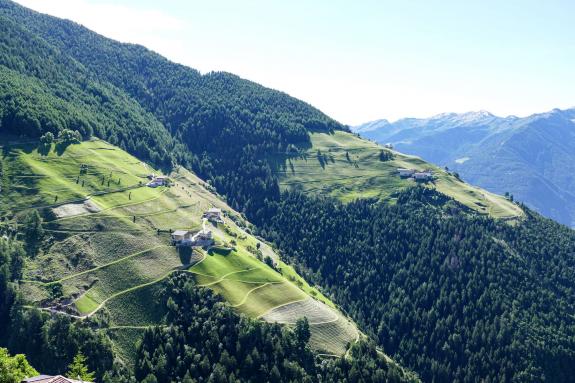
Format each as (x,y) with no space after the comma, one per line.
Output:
(362,60)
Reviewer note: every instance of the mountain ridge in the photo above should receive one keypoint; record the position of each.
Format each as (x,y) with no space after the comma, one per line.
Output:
(531,156)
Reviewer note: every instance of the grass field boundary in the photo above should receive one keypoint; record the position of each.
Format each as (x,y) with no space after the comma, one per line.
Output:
(301,300)
(166,211)
(67,231)
(245,298)
(283,304)
(223,277)
(96,268)
(87,196)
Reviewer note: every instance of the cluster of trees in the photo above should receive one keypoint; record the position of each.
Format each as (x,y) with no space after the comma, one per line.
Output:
(11,261)
(455,296)
(206,341)
(385,155)
(13,369)
(50,342)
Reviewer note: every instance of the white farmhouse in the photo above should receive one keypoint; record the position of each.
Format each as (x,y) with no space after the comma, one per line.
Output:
(187,238)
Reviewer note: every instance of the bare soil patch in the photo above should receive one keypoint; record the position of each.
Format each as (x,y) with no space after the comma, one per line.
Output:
(77,208)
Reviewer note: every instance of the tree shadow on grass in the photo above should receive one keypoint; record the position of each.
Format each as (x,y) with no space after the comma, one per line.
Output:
(61,147)
(44,149)
(219,250)
(185,253)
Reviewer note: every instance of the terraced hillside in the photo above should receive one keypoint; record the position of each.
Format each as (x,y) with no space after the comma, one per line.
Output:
(347,167)
(106,245)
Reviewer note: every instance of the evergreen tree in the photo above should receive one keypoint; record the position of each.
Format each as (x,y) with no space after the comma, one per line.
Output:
(79,370)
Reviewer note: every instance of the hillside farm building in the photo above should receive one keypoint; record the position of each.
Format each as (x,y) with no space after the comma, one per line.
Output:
(423,176)
(215,215)
(416,175)
(202,238)
(157,181)
(406,173)
(187,238)
(180,235)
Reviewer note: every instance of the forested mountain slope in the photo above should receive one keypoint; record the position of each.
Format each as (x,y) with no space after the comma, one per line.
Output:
(457,297)
(532,158)
(98,251)
(228,130)
(453,294)
(225,121)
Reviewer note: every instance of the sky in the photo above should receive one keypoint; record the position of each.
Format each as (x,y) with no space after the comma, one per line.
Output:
(362,60)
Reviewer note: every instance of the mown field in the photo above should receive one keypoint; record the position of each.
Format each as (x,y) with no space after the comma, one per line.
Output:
(348,167)
(108,257)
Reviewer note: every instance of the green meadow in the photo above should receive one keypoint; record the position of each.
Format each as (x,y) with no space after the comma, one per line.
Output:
(110,248)
(347,167)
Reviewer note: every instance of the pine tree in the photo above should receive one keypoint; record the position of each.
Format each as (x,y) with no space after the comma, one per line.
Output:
(78,369)
(302,331)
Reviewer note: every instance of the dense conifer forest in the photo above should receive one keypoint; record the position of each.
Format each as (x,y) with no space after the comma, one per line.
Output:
(455,296)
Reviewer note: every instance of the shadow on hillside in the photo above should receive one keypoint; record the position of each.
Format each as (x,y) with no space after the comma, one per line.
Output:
(61,147)
(281,161)
(185,254)
(44,149)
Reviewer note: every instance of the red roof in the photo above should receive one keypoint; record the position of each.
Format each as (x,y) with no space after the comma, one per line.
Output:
(51,379)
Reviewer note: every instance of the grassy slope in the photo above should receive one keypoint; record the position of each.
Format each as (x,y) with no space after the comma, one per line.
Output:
(363,175)
(110,262)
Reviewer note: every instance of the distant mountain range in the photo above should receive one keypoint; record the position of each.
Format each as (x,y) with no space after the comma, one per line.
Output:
(533,158)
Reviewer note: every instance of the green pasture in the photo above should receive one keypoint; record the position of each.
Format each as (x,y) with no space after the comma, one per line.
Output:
(92,168)
(115,259)
(347,167)
(138,307)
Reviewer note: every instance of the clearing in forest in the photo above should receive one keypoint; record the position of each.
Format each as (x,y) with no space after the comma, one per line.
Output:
(348,167)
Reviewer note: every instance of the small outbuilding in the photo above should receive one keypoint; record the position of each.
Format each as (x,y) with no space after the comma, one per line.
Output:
(423,176)
(202,238)
(158,181)
(406,173)
(215,215)
(179,236)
